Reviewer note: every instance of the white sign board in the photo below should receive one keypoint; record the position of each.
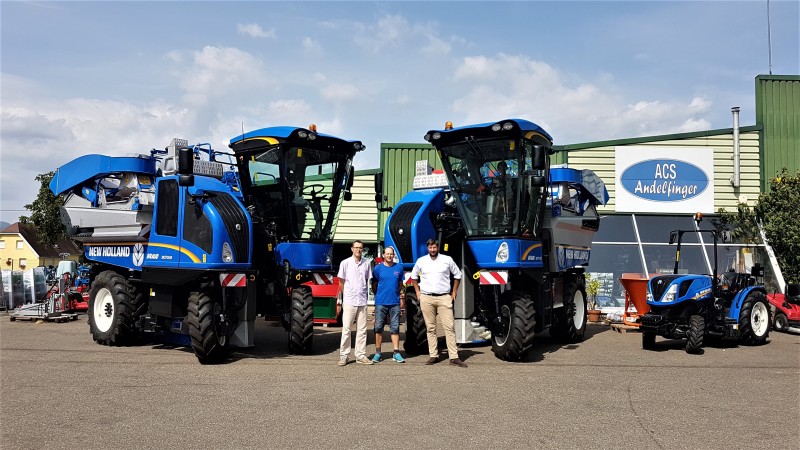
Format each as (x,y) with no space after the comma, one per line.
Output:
(664,179)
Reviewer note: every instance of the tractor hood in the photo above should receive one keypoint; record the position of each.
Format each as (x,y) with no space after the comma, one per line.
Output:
(666,290)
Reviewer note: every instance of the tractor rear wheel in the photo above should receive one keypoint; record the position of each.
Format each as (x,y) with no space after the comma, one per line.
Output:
(571,318)
(754,319)
(781,321)
(416,341)
(206,328)
(301,322)
(696,333)
(648,340)
(114,306)
(513,338)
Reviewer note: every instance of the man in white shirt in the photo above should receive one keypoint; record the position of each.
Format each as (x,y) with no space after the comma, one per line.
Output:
(431,280)
(354,277)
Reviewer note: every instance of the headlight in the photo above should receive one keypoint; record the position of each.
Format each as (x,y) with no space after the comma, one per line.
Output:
(508,125)
(311,136)
(502,253)
(671,293)
(302,134)
(427,137)
(496,127)
(436,135)
(227,254)
(649,297)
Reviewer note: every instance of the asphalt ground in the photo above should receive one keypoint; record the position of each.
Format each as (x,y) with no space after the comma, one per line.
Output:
(61,390)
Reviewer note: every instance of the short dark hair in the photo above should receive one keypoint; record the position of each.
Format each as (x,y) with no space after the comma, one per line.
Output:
(357,242)
(432,241)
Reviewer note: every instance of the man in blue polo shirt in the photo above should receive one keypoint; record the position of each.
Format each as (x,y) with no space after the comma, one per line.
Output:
(387,283)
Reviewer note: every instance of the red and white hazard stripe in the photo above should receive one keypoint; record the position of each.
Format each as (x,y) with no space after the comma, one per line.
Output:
(323,278)
(498,277)
(233,279)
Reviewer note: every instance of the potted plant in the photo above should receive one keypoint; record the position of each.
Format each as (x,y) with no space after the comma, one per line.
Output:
(592,288)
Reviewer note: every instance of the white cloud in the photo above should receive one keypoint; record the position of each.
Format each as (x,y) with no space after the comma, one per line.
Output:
(394,31)
(220,71)
(312,46)
(580,111)
(339,93)
(255,31)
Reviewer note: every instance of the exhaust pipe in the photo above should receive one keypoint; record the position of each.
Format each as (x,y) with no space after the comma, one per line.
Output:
(736,178)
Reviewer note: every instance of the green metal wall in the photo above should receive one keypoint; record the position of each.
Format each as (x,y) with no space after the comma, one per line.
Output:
(778,115)
(398,162)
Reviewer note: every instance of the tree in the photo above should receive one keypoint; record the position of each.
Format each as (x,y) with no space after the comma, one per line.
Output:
(777,211)
(45,214)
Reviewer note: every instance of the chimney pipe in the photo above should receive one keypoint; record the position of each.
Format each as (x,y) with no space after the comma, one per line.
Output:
(736,178)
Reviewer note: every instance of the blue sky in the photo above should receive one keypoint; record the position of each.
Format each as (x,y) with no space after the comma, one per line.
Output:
(124,77)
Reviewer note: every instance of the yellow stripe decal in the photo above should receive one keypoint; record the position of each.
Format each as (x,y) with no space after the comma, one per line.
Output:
(269,140)
(531,134)
(530,249)
(180,249)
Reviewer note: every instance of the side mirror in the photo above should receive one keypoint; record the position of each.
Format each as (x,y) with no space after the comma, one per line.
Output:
(378,185)
(539,157)
(757,271)
(673,235)
(185,167)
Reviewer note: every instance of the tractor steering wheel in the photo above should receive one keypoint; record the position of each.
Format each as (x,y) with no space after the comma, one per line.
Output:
(314,190)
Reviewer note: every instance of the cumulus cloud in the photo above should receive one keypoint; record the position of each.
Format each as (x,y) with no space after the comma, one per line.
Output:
(219,71)
(394,31)
(311,46)
(580,111)
(255,31)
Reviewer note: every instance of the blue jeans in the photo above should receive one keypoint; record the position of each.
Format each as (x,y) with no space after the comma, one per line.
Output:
(394,318)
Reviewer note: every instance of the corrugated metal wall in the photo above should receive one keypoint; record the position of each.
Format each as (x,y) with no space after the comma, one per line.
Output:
(778,114)
(600,159)
(399,165)
(358,218)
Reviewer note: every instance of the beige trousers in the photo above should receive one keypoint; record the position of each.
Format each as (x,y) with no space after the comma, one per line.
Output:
(441,305)
(359,315)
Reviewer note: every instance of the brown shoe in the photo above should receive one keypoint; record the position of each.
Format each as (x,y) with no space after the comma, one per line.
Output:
(431,361)
(458,362)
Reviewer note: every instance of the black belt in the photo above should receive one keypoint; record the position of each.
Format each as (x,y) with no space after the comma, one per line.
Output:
(435,295)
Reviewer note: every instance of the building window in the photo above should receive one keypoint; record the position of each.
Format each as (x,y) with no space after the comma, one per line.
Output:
(2,245)
(23,262)
(19,245)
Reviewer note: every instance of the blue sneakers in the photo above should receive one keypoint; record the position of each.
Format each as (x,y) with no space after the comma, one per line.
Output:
(398,358)
(377,358)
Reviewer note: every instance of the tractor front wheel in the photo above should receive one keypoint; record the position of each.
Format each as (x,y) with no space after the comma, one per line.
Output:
(416,341)
(754,319)
(781,321)
(206,328)
(114,306)
(696,333)
(301,322)
(512,338)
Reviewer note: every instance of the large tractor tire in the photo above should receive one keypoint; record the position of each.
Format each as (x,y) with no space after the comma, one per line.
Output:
(416,342)
(114,306)
(696,333)
(570,325)
(648,340)
(514,336)
(754,319)
(781,321)
(301,322)
(207,333)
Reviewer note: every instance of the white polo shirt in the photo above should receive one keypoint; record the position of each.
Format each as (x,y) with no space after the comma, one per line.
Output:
(434,274)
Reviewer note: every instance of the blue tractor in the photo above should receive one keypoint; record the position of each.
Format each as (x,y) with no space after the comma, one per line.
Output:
(692,307)
(520,230)
(190,248)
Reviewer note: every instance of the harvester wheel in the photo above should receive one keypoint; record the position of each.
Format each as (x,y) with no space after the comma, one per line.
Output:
(209,340)
(301,326)
(648,340)
(512,339)
(114,306)
(416,341)
(570,325)
(781,321)
(697,330)
(754,319)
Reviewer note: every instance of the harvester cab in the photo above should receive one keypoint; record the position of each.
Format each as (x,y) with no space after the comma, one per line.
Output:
(519,229)
(693,306)
(293,182)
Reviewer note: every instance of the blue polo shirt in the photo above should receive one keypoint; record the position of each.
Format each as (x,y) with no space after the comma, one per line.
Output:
(389,279)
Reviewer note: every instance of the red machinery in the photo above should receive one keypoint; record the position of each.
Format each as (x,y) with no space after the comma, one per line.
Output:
(787,308)
(635,285)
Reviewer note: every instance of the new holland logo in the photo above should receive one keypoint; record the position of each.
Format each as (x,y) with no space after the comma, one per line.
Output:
(138,255)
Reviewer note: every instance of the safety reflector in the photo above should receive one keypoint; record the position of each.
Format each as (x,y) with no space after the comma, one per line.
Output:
(323,278)
(499,277)
(232,280)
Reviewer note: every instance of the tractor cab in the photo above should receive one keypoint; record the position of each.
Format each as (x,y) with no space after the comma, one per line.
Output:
(497,174)
(294,179)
